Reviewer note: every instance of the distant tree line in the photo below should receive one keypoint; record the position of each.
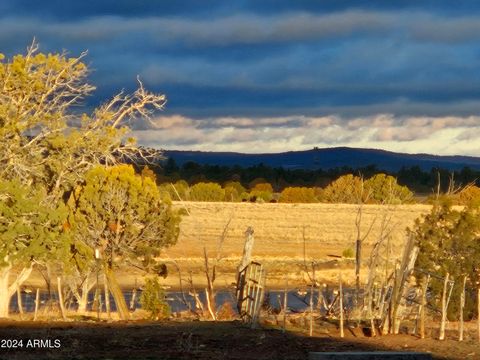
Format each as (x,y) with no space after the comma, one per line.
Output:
(378,189)
(417,180)
(261,183)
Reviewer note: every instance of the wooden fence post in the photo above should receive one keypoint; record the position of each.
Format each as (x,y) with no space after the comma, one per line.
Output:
(37,303)
(423,305)
(242,269)
(341,303)
(247,248)
(133,298)
(60,298)
(107,296)
(462,305)
(285,303)
(478,313)
(444,308)
(311,300)
(19,302)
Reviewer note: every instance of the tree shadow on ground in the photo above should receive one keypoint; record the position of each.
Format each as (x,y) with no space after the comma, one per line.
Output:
(193,340)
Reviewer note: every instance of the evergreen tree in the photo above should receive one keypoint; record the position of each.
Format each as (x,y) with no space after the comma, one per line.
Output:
(121,215)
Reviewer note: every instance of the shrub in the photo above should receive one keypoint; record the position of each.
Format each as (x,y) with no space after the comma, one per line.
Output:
(346,189)
(153,300)
(226,312)
(383,188)
(164,190)
(449,241)
(256,181)
(298,195)
(234,191)
(262,192)
(183,190)
(207,192)
(348,253)
(319,193)
(468,196)
(167,191)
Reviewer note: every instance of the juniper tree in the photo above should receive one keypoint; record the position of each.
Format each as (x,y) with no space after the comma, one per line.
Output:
(384,189)
(31,230)
(449,242)
(122,215)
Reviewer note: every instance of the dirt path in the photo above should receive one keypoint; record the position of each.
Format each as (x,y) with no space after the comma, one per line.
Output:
(201,340)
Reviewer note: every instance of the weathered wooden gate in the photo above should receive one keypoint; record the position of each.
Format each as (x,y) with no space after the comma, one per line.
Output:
(250,291)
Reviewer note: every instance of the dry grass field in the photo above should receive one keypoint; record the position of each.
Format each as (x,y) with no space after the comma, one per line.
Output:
(280,230)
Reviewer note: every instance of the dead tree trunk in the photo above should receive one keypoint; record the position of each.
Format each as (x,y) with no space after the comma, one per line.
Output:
(209,291)
(358,244)
(408,262)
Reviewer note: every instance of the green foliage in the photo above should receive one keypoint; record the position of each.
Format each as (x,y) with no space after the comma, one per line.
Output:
(234,192)
(38,100)
(207,192)
(379,189)
(30,227)
(346,189)
(165,192)
(122,214)
(449,241)
(298,195)
(37,91)
(179,191)
(182,190)
(319,193)
(348,253)
(384,189)
(44,159)
(257,181)
(262,192)
(263,187)
(153,300)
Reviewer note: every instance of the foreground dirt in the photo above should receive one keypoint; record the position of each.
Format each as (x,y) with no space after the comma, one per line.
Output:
(204,340)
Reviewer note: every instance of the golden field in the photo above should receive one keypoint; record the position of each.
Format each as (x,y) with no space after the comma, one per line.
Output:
(280,230)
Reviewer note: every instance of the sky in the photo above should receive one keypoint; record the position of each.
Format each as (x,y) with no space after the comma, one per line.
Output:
(274,75)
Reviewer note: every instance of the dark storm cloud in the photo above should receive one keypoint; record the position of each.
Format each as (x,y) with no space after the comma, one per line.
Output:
(291,62)
(269,63)
(68,10)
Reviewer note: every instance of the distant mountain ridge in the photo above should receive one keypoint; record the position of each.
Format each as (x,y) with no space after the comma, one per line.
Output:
(328,158)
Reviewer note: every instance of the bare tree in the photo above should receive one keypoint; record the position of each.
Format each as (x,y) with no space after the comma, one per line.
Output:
(360,238)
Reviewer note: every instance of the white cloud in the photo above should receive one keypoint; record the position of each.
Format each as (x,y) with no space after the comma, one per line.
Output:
(435,135)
